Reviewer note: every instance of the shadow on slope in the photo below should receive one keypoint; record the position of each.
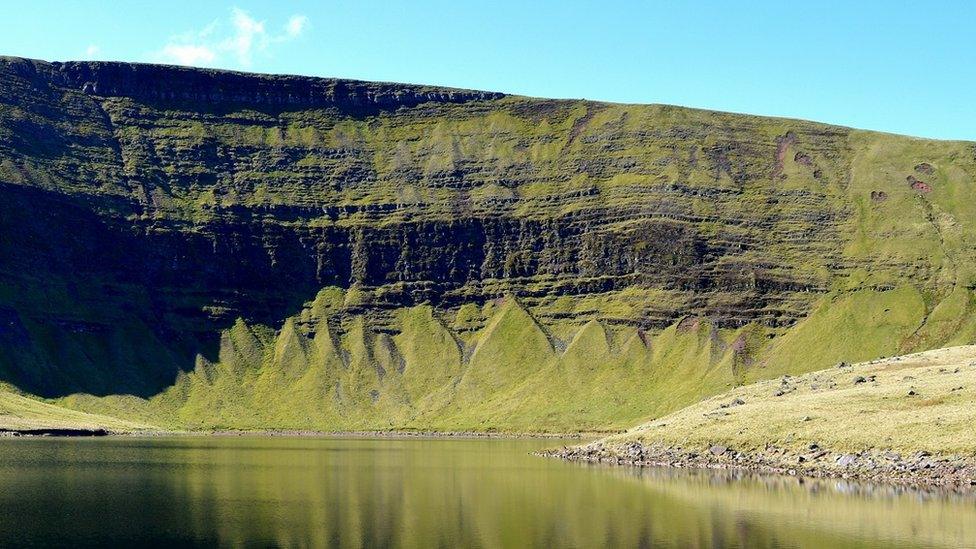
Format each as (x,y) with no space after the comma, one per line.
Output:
(91,304)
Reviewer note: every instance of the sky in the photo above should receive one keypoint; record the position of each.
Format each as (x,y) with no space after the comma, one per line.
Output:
(895,66)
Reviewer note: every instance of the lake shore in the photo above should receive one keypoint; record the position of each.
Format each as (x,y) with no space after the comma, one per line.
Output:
(54,432)
(904,420)
(917,470)
(394,434)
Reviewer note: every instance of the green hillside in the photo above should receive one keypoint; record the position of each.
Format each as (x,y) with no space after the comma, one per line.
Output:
(206,249)
(512,375)
(22,413)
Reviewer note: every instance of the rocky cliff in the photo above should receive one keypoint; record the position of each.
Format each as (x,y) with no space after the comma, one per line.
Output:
(252,250)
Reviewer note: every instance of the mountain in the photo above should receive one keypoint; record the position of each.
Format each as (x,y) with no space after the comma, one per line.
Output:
(208,249)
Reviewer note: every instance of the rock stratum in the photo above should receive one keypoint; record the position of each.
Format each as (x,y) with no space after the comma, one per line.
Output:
(208,249)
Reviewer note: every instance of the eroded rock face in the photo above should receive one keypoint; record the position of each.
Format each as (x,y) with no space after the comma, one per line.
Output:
(145,208)
(154,83)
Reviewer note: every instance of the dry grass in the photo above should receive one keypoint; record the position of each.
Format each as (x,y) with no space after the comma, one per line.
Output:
(923,401)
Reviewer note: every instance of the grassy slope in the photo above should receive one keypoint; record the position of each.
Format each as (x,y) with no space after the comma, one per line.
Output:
(506,376)
(830,408)
(20,412)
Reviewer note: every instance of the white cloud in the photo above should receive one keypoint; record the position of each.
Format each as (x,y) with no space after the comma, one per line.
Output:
(187,54)
(249,34)
(234,42)
(296,26)
(92,51)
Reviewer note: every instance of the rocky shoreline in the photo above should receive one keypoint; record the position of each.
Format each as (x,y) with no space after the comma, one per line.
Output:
(918,470)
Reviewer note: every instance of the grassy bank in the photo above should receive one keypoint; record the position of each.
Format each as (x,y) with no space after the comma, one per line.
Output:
(904,419)
(25,414)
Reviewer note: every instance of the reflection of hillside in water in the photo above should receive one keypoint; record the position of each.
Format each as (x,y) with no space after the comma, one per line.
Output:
(428,493)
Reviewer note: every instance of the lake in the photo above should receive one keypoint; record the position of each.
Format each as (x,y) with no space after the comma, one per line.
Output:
(347,492)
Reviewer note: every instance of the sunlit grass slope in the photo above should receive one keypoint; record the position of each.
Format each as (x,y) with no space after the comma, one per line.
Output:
(24,413)
(924,401)
(515,374)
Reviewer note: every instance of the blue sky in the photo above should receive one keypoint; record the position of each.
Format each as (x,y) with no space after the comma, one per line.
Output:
(904,67)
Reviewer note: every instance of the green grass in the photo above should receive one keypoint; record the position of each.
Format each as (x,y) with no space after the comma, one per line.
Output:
(908,403)
(504,368)
(20,412)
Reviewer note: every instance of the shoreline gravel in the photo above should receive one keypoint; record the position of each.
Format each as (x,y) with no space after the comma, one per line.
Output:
(920,469)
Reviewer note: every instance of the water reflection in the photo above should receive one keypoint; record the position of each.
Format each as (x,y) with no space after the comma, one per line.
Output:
(432,493)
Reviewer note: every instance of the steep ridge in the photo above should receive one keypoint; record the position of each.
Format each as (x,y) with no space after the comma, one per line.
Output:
(231,250)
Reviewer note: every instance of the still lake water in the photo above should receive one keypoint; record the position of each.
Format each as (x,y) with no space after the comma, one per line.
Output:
(429,493)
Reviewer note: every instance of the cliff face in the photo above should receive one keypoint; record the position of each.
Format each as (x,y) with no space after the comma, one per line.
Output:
(145,209)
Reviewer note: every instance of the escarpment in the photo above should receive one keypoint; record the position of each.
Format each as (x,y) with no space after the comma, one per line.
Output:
(146,212)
